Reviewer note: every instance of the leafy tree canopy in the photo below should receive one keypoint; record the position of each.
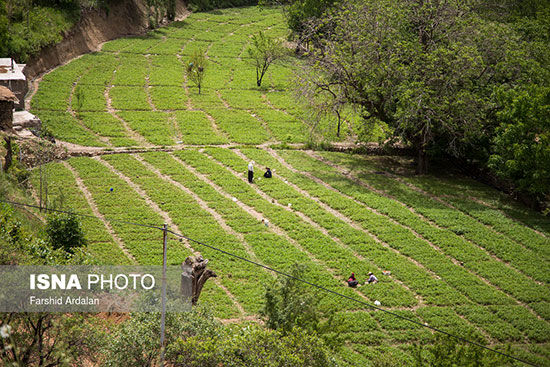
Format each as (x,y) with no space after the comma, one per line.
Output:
(196,68)
(428,69)
(522,141)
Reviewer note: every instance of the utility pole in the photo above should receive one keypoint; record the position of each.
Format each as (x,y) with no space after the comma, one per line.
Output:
(41,180)
(163,314)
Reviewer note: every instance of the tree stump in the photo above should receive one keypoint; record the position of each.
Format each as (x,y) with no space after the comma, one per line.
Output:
(199,275)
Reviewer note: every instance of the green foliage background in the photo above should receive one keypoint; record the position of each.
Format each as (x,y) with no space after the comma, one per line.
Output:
(453,80)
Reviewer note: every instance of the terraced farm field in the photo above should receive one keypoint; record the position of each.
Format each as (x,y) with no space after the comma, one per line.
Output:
(463,258)
(135,93)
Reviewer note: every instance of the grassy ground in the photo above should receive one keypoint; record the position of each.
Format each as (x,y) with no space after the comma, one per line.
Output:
(462,257)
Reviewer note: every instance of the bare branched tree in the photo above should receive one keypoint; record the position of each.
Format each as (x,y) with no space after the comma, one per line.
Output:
(264,52)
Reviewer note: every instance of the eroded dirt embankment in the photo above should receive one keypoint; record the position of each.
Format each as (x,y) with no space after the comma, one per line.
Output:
(125,17)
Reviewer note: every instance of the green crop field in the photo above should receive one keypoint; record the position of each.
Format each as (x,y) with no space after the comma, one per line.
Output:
(463,258)
(140,82)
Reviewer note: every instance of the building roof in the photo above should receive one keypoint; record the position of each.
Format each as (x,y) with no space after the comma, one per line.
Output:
(6,72)
(7,95)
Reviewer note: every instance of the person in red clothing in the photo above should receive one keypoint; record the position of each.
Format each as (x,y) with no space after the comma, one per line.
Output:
(352,282)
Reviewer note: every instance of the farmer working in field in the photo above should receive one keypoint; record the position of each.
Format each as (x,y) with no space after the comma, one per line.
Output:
(250,172)
(372,278)
(268,173)
(352,282)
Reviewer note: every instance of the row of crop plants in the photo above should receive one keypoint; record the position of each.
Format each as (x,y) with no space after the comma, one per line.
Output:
(472,257)
(494,199)
(467,228)
(480,293)
(455,322)
(63,194)
(145,244)
(492,217)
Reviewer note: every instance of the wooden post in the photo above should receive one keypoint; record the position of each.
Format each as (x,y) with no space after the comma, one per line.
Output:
(40,187)
(46,189)
(9,154)
(163,314)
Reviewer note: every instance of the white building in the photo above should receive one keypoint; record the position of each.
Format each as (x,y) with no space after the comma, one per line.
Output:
(12,77)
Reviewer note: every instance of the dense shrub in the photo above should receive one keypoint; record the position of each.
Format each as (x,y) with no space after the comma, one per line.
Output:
(65,232)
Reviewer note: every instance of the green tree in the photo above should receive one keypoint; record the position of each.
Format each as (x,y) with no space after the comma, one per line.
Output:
(197,68)
(447,351)
(300,14)
(521,146)
(264,52)
(290,303)
(49,339)
(65,232)
(136,341)
(427,69)
(252,346)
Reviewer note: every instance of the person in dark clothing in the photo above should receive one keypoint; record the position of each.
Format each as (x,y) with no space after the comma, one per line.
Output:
(352,282)
(268,173)
(250,172)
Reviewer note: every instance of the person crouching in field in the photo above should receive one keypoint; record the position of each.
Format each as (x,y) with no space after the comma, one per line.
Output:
(268,173)
(250,172)
(352,282)
(372,278)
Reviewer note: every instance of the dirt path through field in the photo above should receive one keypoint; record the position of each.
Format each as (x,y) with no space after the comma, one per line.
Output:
(129,131)
(91,202)
(362,183)
(273,228)
(153,205)
(369,263)
(101,138)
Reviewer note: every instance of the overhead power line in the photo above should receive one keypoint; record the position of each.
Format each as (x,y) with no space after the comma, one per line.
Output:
(79,214)
(352,299)
(372,306)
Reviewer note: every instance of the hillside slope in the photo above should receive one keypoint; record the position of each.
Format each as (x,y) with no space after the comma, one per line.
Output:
(461,256)
(125,17)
